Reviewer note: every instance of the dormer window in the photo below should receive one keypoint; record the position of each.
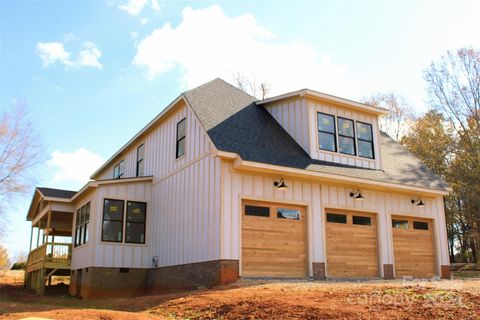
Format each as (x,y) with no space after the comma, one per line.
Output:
(345,136)
(326,132)
(365,140)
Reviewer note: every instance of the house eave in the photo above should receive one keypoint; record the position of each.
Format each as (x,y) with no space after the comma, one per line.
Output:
(240,164)
(315,95)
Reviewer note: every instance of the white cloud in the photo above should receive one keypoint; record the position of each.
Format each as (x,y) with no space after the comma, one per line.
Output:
(134,7)
(54,52)
(76,166)
(89,56)
(208,44)
(144,21)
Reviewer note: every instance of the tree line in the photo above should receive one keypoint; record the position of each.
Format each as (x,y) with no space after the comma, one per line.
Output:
(447,139)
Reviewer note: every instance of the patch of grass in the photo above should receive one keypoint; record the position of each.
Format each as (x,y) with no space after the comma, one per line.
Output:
(466,274)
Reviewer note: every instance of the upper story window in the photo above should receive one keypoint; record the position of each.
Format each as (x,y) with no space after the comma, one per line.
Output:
(140,161)
(326,132)
(346,136)
(365,140)
(181,133)
(349,136)
(119,170)
(81,225)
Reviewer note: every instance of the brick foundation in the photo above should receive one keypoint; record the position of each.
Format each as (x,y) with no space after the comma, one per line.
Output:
(97,282)
(388,271)
(318,270)
(445,272)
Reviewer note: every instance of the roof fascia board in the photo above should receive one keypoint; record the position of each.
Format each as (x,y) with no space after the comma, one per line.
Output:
(240,164)
(325,97)
(97,183)
(138,135)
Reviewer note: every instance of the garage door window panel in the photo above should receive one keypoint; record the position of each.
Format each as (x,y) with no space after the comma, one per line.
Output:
(400,224)
(257,211)
(289,214)
(420,225)
(336,218)
(361,220)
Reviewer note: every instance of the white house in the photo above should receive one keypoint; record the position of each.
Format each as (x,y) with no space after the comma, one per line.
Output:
(221,186)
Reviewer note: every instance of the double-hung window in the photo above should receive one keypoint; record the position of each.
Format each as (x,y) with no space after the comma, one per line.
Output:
(112,225)
(365,140)
(181,134)
(140,161)
(135,222)
(346,136)
(81,225)
(326,132)
(114,215)
(119,170)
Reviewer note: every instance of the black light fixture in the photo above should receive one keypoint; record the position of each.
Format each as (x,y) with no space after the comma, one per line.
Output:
(280,184)
(357,195)
(419,202)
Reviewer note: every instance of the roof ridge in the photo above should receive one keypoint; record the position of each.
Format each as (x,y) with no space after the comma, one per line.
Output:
(225,82)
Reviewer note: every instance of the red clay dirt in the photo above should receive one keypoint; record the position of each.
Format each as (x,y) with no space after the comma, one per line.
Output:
(262,300)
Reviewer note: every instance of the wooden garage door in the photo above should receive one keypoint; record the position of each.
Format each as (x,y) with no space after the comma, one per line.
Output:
(351,244)
(273,240)
(413,247)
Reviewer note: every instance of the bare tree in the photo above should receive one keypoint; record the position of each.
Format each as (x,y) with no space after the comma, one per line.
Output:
(4,260)
(252,87)
(20,152)
(400,117)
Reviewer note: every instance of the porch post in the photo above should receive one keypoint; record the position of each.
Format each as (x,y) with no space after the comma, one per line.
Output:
(31,236)
(48,223)
(38,234)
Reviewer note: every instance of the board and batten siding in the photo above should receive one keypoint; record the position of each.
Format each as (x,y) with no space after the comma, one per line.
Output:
(82,255)
(183,200)
(160,144)
(292,115)
(317,197)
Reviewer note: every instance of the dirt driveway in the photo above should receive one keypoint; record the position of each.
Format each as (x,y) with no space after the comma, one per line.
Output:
(264,300)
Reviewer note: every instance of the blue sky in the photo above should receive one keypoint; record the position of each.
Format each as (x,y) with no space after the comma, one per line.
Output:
(93,73)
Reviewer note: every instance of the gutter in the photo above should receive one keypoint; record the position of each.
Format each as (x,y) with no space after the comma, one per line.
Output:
(240,164)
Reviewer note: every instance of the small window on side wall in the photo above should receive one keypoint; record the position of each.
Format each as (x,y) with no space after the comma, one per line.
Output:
(119,170)
(257,211)
(181,134)
(140,161)
(400,224)
(112,224)
(420,225)
(336,218)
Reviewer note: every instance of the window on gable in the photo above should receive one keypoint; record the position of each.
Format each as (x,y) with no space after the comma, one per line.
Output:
(81,225)
(112,224)
(181,133)
(346,136)
(119,170)
(365,140)
(140,160)
(326,132)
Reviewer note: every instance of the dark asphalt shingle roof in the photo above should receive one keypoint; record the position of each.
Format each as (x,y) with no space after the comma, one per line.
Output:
(236,124)
(56,193)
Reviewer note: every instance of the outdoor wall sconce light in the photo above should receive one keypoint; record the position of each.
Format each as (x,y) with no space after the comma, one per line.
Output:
(357,195)
(280,184)
(418,202)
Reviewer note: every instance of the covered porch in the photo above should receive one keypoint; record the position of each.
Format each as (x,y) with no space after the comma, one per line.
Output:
(51,213)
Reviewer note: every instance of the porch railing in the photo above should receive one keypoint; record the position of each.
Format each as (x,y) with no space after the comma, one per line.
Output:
(50,252)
